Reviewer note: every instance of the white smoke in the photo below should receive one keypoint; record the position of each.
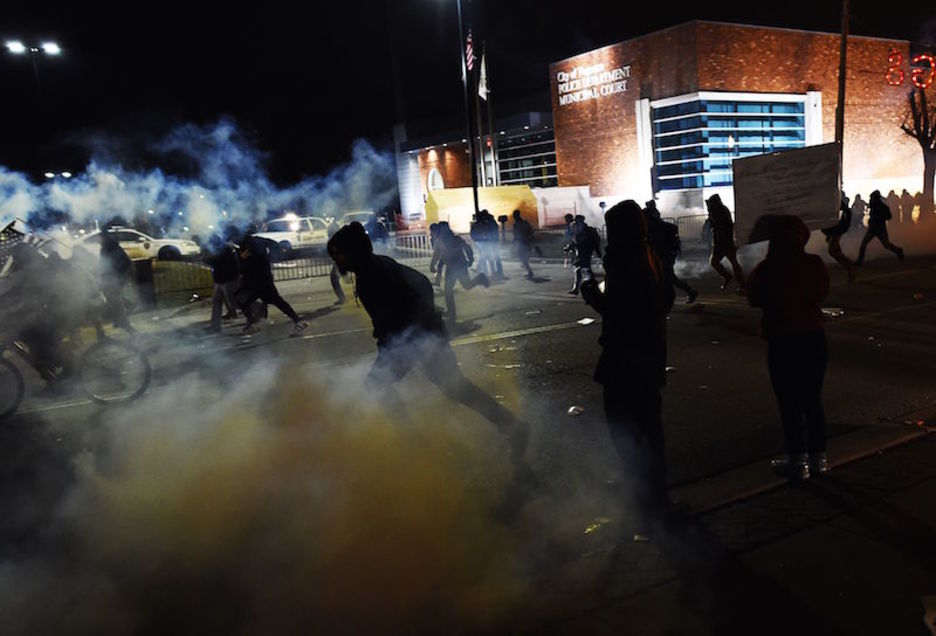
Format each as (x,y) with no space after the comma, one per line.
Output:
(226,182)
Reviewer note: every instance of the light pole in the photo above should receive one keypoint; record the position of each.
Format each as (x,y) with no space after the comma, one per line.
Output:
(49,48)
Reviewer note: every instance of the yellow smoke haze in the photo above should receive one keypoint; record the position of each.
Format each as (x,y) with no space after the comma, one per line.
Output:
(292,512)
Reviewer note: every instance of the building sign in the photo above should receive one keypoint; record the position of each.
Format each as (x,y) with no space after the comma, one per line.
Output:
(922,69)
(583,83)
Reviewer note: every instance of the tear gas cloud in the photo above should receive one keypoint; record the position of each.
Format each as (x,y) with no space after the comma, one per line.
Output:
(287,501)
(227,181)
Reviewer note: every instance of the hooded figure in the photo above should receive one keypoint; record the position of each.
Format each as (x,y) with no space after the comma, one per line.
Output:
(878,215)
(723,244)
(789,286)
(632,366)
(409,329)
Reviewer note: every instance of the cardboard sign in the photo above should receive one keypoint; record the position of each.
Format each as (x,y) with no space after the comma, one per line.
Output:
(803,182)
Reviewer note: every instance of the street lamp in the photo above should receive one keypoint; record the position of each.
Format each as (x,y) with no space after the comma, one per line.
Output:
(49,48)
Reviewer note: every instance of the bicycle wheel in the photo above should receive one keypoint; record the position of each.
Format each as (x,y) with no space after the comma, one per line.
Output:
(113,371)
(12,388)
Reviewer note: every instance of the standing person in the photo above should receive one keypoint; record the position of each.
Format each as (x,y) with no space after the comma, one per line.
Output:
(858,211)
(116,267)
(586,242)
(663,239)
(893,203)
(523,238)
(225,272)
(789,286)
(878,216)
(333,275)
(906,206)
(834,236)
(257,282)
(723,244)
(409,330)
(457,257)
(568,245)
(492,245)
(479,239)
(435,264)
(632,366)
(377,232)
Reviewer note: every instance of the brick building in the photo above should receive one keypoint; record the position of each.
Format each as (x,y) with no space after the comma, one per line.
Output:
(664,114)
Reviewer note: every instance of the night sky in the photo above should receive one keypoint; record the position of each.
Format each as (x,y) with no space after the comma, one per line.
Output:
(303,82)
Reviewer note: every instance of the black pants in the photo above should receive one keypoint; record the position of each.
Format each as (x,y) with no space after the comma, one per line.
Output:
(797,366)
(453,275)
(267,293)
(433,355)
(635,422)
(335,279)
(879,233)
(676,281)
(523,253)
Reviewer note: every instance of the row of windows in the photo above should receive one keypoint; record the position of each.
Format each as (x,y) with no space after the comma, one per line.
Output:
(695,142)
(706,121)
(730,137)
(710,106)
(543,149)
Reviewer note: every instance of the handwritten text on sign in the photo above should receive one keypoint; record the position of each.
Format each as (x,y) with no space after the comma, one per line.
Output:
(591,82)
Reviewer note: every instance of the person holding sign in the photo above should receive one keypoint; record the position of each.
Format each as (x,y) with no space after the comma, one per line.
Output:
(723,243)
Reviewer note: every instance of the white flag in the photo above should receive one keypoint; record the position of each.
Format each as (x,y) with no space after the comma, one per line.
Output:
(482,80)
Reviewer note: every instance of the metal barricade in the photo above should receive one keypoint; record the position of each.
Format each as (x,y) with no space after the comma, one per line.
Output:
(692,229)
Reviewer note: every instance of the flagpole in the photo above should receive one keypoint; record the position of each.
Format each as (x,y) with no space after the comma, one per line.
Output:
(481,159)
(470,136)
(487,92)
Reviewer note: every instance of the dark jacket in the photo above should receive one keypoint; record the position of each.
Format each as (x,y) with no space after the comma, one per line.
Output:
(843,225)
(456,253)
(522,232)
(789,285)
(633,308)
(397,298)
(224,264)
(663,239)
(879,214)
(255,261)
(722,226)
(587,242)
(116,264)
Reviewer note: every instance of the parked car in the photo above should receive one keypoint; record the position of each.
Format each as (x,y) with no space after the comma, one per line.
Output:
(293,232)
(361,216)
(140,246)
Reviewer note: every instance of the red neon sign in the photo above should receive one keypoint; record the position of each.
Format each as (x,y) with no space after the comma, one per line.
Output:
(922,69)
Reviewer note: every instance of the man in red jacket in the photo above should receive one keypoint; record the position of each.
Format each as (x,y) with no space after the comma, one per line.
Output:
(789,286)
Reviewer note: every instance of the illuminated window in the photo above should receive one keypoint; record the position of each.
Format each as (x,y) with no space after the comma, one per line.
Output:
(696,137)
(435,181)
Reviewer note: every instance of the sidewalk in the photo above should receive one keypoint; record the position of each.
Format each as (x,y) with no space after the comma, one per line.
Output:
(853,552)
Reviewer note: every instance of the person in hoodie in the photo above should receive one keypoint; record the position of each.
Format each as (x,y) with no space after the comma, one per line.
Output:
(409,330)
(789,286)
(632,365)
(834,236)
(879,213)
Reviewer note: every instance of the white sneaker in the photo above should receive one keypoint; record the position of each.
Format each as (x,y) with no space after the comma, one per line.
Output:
(300,326)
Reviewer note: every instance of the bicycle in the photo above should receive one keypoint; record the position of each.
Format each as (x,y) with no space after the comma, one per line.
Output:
(109,371)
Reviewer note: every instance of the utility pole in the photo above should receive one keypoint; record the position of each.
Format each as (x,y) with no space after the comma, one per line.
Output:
(470,136)
(840,107)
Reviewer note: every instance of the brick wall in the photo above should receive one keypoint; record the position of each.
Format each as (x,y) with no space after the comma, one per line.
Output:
(596,139)
(451,162)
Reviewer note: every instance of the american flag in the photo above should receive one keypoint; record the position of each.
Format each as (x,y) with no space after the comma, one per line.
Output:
(469,54)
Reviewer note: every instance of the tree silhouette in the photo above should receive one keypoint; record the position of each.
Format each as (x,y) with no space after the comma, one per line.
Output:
(920,123)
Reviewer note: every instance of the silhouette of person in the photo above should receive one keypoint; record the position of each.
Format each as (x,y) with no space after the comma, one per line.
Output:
(663,239)
(492,237)
(893,203)
(789,286)
(477,232)
(632,365)
(435,264)
(409,330)
(333,275)
(378,234)
(906,206)
(569,245)
(723,244)
(116,268)
(918,201)
(586,242)
(878,215)
(457,257)
(523,239)
(858,211)
(257,281)
(225,272)
(834,236)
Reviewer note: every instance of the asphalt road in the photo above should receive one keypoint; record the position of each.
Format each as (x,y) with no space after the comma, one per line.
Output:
(524,338)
